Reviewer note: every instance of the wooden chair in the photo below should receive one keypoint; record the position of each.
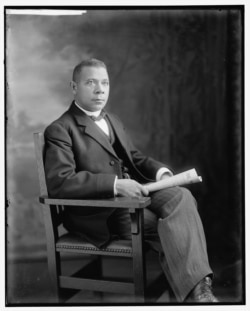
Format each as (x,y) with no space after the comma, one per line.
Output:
(56,244)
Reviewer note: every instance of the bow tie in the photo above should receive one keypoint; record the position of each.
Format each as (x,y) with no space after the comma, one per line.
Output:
(100,117)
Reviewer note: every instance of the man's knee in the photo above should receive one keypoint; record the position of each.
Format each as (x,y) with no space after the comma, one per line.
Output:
(175,199)
(188,201)
(177,194)
(186,192)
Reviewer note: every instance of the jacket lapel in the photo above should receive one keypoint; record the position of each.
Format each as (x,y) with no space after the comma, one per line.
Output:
(118,129)
(91,128)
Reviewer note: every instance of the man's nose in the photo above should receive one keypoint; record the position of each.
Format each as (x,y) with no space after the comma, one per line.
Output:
(99,88)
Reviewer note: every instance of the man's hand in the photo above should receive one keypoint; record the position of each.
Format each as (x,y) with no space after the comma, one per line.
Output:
(130,188)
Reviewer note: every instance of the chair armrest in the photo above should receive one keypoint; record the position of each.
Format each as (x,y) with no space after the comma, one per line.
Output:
(120,202)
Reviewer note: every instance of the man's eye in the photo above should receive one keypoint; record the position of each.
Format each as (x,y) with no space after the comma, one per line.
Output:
(90,82)
(105,83)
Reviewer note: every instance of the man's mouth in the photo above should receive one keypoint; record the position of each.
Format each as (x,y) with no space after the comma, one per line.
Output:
(98,99)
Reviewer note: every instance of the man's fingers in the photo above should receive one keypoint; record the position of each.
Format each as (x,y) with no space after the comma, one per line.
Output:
(131,188)
(144,190)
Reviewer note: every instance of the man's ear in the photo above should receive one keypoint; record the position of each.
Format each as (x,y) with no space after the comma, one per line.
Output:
(73,86)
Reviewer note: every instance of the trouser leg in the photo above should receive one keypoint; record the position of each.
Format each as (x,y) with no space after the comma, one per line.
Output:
(173,228)
(184,258)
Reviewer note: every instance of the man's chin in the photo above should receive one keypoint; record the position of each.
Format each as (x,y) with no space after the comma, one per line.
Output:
(93,106)
(98,107)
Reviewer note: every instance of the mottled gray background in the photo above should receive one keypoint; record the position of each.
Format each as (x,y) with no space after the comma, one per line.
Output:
(175,83)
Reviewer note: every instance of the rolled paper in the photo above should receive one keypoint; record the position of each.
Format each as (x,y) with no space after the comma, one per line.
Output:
(184,178)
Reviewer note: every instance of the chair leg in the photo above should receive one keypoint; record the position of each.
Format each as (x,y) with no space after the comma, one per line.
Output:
(139,273)
(98,273)
(138,258)
(54,271)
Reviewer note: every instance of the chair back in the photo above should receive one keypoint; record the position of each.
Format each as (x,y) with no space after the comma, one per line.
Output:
(52,214)
(39,150)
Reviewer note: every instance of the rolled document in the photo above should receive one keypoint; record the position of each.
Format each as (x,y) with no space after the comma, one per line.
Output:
(185,178)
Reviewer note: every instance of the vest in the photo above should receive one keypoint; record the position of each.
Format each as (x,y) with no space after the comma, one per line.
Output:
(126,166)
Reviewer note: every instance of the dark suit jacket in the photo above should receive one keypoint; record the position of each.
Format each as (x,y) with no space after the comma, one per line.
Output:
(81,163)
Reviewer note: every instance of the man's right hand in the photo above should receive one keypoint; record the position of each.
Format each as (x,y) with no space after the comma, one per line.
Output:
(130,188)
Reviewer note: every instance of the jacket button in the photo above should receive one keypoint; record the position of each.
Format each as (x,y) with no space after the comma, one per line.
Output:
(112,163)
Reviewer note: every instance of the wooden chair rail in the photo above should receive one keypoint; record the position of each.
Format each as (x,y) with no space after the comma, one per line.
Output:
(122,202)
(96,285)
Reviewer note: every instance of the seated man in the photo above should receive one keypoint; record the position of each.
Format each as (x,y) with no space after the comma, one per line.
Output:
(89,155)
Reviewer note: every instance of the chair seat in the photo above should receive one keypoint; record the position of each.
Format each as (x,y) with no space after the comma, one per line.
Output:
(73,243)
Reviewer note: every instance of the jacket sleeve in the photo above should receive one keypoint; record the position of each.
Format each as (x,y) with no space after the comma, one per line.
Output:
(147,166)
(63,181)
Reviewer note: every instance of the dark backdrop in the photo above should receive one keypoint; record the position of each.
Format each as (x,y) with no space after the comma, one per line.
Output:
(176,82)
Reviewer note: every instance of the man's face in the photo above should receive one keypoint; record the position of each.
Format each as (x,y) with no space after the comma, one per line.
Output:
(92,88)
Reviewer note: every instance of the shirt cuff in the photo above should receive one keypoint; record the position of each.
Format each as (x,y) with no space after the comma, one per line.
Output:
(115,191)
(162,171)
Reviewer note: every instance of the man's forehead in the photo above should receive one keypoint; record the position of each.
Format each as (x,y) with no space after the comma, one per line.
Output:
(94,72)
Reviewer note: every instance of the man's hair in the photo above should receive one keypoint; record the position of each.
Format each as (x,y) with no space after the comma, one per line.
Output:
(92,62)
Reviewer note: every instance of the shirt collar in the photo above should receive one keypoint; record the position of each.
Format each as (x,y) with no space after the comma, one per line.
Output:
(89,113)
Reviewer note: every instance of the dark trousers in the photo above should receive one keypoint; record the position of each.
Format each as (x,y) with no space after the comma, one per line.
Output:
(173,228)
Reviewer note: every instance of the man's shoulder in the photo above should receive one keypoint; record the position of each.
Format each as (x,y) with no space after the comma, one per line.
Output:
(63,122)
(115,118)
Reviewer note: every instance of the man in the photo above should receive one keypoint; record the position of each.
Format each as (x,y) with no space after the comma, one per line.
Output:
(89,155)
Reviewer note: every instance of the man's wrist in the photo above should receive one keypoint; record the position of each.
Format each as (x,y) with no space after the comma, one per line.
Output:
(161,172)
(115,190)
